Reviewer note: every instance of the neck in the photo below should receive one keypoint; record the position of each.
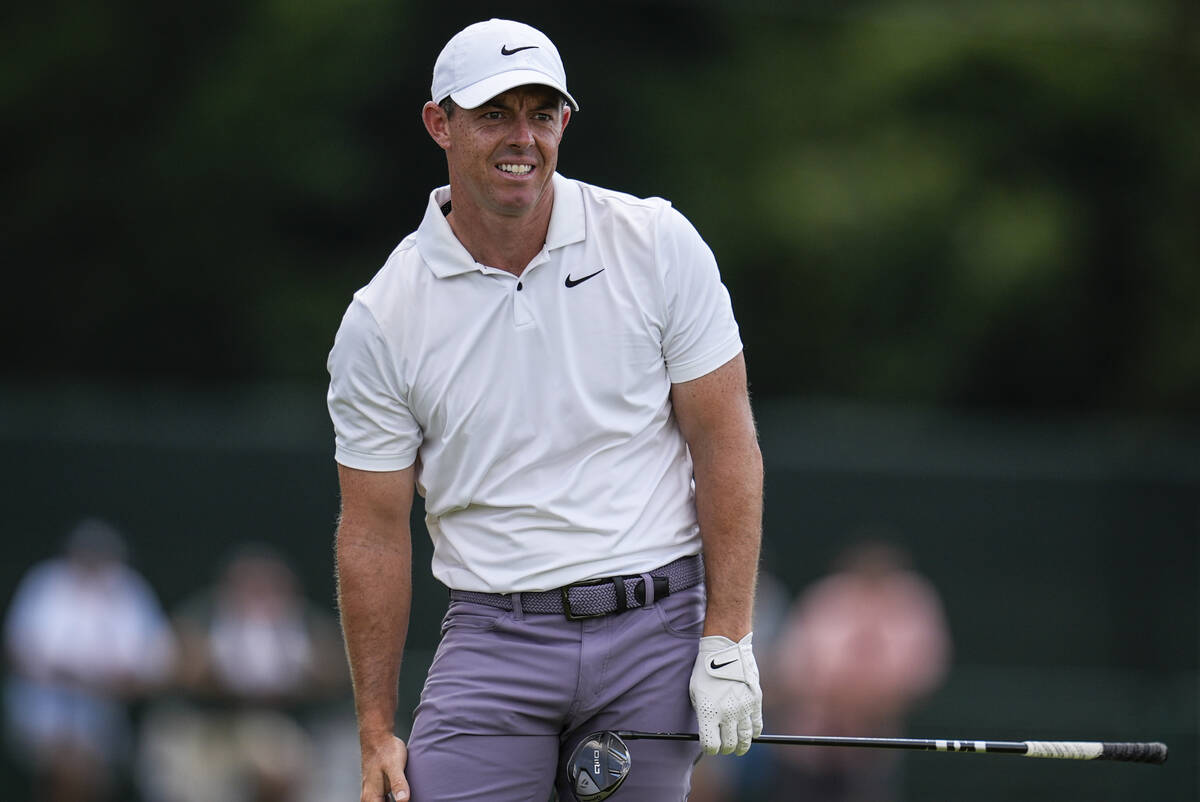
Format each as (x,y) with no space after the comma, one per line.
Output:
(507,242)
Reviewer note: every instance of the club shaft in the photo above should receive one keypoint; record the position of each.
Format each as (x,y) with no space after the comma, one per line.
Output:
(1070,750)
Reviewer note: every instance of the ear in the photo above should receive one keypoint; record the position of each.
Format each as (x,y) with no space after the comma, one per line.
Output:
(566,118)
(437,124)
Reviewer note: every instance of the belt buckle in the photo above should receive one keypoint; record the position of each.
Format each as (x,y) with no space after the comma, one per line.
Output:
(566,600)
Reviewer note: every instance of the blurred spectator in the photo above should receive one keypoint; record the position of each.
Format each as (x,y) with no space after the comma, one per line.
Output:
(85,636)
(727,778)
(255,654)
(860,649)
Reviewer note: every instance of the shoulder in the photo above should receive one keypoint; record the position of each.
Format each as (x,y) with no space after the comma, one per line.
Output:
(620,202)
(916,590)
(602,204)
(379,301)
(826,594)
(654,221)
(399,269)
(41,578)
(125,589)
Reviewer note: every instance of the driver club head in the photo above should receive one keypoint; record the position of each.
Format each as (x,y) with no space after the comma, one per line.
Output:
(598,766)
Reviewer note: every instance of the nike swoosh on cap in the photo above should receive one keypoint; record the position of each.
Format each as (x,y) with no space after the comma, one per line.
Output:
(504,51)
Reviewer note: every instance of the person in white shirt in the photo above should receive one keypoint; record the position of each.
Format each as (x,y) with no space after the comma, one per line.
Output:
(85,635)
(556,368)
(257,660)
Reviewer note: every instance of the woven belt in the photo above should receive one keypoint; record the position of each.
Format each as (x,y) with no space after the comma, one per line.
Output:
(598,597)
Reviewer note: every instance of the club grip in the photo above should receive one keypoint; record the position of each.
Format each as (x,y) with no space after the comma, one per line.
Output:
(1135,752)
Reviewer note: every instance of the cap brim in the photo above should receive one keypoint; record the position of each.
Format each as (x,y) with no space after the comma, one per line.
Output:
(482,91)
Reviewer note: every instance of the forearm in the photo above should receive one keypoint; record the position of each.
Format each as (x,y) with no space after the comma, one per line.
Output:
(374,573)
(729,486)
(727,468)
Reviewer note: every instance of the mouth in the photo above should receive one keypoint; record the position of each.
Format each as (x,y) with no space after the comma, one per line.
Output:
(514,169)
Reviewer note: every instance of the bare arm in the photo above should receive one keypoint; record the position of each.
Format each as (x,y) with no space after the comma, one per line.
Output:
(374,573)
(716,420)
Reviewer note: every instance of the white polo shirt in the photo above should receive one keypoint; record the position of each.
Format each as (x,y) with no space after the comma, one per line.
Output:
(538,408)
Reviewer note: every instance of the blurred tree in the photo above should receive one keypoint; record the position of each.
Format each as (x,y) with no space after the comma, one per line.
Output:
(963,207)
(990,204)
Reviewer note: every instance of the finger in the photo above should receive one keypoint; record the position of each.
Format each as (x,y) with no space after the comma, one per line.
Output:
(757,721)
(397,793)
(383,777)
(396,780)
(728,736)
(744,733)
(372,792)
(710,736)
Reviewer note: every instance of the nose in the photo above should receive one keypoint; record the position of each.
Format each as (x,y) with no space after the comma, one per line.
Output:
(520,134)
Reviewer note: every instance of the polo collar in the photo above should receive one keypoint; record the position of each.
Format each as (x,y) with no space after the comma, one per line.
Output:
(567,223)
(436,242)
(447,257)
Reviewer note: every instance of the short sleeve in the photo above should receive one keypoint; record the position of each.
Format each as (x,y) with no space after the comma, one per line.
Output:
(701,333)
(374,429)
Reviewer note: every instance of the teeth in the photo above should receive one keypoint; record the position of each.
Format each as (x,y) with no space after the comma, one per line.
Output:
(516,169)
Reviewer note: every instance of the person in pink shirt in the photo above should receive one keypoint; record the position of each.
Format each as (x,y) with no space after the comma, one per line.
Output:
(860,648)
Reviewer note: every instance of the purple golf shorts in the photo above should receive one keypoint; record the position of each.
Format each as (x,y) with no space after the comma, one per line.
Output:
(509,695)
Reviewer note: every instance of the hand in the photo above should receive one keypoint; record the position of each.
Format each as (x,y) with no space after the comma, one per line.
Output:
(383,762)
(726,695)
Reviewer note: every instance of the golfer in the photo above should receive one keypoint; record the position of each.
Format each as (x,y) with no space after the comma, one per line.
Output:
(556,369)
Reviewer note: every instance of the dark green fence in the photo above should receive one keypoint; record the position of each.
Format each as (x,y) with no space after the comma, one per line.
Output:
(1065,552)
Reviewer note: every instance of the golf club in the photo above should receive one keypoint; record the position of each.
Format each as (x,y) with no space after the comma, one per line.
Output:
(601,762)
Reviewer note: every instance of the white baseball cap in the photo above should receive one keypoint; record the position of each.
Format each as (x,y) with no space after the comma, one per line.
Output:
(488,58)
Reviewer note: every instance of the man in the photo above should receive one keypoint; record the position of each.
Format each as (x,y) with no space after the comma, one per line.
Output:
(858,651)
(86,637)
(556,369)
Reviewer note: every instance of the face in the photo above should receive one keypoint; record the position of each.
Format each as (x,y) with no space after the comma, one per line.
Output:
(503,153)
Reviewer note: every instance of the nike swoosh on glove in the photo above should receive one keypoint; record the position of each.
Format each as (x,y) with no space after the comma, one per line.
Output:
(726,695)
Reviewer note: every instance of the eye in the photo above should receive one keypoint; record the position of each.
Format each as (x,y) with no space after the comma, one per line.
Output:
(493,115)
(543,117)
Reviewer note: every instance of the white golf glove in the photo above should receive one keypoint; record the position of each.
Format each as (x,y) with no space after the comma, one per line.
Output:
(726,694)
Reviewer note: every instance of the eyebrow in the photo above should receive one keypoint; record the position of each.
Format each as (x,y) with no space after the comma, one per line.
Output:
(552,103)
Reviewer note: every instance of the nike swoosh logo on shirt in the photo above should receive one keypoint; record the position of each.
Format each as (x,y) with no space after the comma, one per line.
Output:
(571,282)
(504,51)
(714,665)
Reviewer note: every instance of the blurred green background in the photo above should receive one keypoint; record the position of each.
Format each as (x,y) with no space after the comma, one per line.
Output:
(961,238)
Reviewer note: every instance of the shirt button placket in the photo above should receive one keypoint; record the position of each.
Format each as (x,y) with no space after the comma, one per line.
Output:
(522,314)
